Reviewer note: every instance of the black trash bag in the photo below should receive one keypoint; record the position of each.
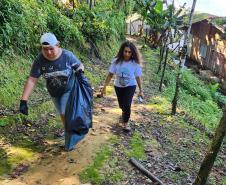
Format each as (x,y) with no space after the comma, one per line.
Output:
(78,115)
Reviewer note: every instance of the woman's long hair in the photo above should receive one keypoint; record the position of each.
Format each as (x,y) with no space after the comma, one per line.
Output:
(135,53)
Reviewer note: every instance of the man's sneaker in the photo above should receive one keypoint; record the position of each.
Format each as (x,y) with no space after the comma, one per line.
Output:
(59,134)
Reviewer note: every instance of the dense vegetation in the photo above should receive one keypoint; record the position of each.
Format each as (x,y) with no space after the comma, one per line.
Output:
(23,22)
(197,97)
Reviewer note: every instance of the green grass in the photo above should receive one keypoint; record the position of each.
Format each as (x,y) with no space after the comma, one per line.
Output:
(116,176)
(137,148)
(14,71)
(224,181)
(93,173)
(176,177)
(160,104)
(4,121)
(195,98)
(5,166)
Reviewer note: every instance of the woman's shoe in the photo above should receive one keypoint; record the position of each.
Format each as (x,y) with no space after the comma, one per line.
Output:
(127,128)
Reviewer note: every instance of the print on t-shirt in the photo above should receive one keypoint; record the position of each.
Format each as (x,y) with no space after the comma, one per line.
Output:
(124,78)
(126,73)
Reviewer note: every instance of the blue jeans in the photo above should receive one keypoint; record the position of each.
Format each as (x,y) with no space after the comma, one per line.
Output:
(70,139)
(61,102)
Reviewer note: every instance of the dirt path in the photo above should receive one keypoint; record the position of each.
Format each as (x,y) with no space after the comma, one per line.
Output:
(172,147)
(56,167)
(62,168)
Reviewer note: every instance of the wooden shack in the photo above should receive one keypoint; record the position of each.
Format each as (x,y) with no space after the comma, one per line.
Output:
(207,47)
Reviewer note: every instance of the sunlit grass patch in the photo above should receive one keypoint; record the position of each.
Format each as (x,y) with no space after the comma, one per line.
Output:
(169,119)
(109,90)
(116,111)
(13,156)
(116,176)
(160,105)
(17,154)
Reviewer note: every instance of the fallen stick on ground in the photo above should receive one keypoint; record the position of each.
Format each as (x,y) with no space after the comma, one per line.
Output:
(145,171)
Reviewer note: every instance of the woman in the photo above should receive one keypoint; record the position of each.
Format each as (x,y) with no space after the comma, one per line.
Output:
(127,69)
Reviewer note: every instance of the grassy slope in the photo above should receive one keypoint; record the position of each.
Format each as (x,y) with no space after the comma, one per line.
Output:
(196,107)
(29,133)
(185,147)
(14,70)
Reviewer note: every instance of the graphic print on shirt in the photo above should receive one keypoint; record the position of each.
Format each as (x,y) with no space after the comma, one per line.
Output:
(57,77)
(124,76)
(56,71)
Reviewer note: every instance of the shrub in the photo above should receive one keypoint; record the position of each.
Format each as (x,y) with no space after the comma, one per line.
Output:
(23,22)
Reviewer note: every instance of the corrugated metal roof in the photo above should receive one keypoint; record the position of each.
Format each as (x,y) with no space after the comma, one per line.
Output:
(202,16)
(133,17)
(212,19)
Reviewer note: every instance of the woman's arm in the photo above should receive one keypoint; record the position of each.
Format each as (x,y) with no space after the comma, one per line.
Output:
(31,82)
(139,83)
(107,81)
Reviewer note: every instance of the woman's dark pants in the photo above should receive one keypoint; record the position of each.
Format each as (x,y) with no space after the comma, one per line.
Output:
(125,97)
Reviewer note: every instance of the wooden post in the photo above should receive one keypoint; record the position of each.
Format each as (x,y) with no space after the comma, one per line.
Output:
(164,69)
(90,4)
(182,61)
(211,155)
(73,4)
(130,27)
(163,52)
(146,35)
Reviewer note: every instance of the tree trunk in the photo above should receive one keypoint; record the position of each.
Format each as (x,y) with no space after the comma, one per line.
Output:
(176,95)
(164,69)
(161,58)
(182,61)
(162,54)
(146,36)
(121,4)
(210,157)
(141,28)
(130,27)
(90,4)
(73,4)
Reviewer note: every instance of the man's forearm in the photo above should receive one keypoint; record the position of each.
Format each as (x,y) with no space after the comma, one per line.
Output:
(31,82)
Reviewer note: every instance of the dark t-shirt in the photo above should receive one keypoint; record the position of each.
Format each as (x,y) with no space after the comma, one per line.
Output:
(59,67)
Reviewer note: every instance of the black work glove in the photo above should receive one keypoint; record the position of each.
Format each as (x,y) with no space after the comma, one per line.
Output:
(23,107)
(75,67)
(78,68)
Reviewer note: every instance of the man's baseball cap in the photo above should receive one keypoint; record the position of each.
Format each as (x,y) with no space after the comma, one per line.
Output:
(49,39)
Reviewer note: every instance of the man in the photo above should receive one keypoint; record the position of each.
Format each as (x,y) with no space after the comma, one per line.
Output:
(56,65)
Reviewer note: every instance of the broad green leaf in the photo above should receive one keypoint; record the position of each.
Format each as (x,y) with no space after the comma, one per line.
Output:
(159,6)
